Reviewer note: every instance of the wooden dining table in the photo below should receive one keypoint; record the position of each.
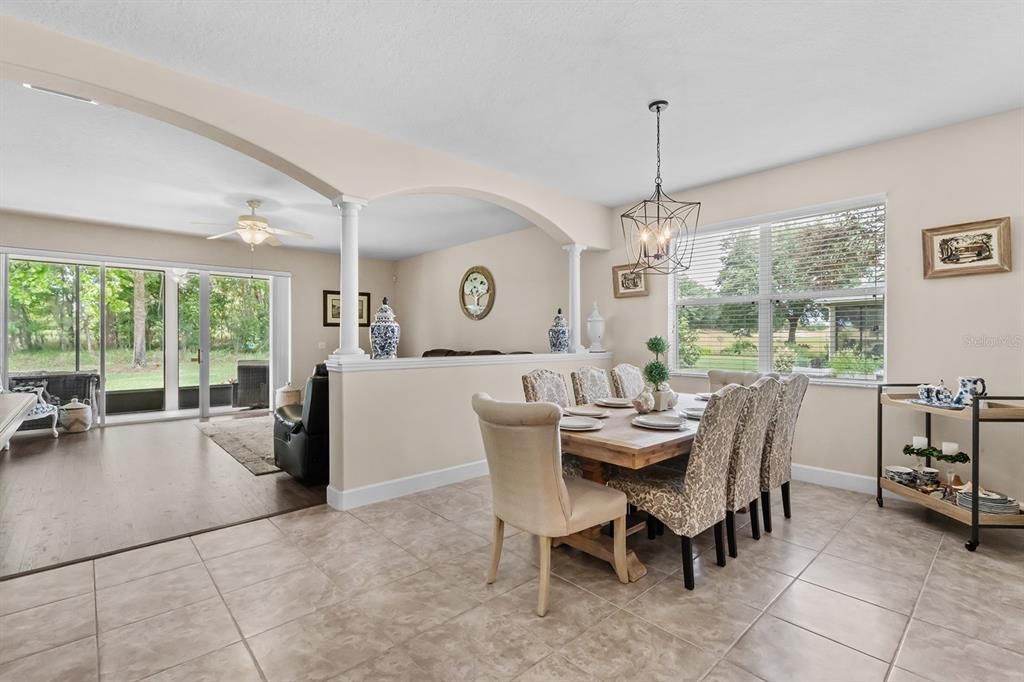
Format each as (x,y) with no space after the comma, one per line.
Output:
(622,444)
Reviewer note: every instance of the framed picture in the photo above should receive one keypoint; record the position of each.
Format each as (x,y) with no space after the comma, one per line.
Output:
(332,308)
(967,249)
(626,283)
(476,292)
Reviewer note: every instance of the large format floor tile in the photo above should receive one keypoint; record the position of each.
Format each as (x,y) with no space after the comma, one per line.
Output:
(245,567)
(778,651)
(278,600)
(890,590)
(234,538)
(47,626)
(46,587)
(940,654)
(161,642)
(74,662)
(139,563)
(155,594)
(230,663)
(571,610)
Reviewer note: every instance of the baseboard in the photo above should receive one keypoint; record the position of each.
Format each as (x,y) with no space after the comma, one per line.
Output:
(835,479)
(399,487)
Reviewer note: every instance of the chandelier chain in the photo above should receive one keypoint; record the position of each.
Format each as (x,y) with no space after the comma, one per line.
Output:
(657,178)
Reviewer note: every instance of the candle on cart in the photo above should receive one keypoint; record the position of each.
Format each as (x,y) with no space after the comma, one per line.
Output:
(920,442)
(950,448)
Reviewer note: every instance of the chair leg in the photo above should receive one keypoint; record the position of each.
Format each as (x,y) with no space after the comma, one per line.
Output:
(730,533)
(545,575)
(661,528)
(619,549)
(719,545)
(499,539)
(53,427)
(766,510)
(652,527)
(755,521)
(687,562)
(785,500)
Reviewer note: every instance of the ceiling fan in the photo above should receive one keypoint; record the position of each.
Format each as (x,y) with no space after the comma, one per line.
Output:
(255,229)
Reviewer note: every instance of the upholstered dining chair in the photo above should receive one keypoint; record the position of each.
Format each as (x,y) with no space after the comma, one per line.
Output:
(523,449)
(545,386)
(744,483)
(777,457)
(590,384)
(689,503)
(627,381)
(717,378)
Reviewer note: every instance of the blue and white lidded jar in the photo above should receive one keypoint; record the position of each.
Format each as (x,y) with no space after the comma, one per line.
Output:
(384,333)
(558,334)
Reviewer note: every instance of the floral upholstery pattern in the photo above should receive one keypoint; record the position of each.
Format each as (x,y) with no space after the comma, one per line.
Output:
(571,466)
(745,466)
(777,458)
(627,380)
(545,386)
(692,502)
(590,384)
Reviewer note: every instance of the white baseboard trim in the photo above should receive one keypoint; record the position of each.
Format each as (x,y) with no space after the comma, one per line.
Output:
(836,479)
(399,487)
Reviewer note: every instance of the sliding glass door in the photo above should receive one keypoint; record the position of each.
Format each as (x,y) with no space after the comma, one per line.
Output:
(160,338)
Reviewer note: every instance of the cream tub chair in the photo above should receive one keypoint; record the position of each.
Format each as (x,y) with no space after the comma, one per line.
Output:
(524,455)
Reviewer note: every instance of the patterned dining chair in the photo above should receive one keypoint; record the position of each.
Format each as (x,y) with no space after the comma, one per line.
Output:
(777,457)
(545,386)
(590,384)
(717,378)
(523,447)
(627,380)
(744,484)
(691,502)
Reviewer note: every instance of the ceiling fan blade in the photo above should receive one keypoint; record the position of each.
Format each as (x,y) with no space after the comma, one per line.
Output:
(226,234)
(289,233)
(215,224)
(272,241)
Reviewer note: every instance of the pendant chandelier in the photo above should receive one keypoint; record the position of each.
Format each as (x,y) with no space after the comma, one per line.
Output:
(659,231)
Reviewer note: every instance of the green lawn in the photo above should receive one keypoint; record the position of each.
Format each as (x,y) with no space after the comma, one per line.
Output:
(121,376)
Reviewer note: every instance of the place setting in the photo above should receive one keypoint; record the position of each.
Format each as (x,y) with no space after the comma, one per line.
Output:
(587,411)
(574,423)
(614,402)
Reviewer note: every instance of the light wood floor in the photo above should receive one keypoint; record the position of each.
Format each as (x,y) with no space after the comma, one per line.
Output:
(123,486)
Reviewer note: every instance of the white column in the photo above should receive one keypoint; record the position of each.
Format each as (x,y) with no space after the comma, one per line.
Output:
(349,328)
(575,312)
(170,340)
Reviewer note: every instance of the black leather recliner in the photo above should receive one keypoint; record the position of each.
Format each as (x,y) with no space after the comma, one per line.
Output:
(301,432)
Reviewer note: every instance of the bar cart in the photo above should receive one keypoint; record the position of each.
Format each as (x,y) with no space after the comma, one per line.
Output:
(984,409)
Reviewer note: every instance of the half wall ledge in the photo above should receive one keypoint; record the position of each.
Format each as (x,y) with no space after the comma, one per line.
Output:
(363,363)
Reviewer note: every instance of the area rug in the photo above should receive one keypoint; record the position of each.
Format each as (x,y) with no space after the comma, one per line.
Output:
(249,440)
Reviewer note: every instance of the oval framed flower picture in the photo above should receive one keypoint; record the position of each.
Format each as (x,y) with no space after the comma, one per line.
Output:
(476,292)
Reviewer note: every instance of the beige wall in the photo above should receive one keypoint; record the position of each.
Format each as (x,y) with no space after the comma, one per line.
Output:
(531,277)
(311,271)
(960,173)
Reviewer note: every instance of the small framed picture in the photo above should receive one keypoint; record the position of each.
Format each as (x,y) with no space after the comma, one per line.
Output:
(332,308)
(627,283)
(967,249)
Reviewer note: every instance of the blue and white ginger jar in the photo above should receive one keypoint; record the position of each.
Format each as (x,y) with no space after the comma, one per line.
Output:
(558,334)
(384,333)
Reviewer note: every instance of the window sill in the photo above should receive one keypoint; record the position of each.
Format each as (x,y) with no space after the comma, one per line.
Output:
(816,381)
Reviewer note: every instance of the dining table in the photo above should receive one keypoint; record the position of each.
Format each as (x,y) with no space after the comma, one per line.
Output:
(620,443)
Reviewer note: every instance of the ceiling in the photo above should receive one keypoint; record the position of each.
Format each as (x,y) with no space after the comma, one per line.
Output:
(98,163)
(557,91)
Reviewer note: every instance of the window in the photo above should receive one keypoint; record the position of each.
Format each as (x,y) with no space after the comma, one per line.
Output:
(803,292)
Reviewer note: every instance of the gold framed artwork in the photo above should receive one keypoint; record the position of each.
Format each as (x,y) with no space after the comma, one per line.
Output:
(476,292)
(332,308)
(626,283)
(976,248)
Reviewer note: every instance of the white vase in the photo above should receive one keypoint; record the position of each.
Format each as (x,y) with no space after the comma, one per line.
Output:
(595,330)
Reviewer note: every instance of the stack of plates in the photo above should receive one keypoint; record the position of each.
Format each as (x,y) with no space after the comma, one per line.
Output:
(902,475)
(927,476)
(702,396)
(989,502)
(614,402)
(664,422)
(594,412)
(693,412)
(579,424)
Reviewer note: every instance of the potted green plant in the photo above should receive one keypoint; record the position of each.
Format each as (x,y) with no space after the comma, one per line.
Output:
(657,375)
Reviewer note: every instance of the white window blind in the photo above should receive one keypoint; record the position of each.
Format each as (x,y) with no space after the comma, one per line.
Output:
(802,293)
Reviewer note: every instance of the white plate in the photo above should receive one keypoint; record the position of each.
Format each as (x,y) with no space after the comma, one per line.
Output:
(579,424)
(702,396)
(900,470)
(614,402)
(693,412)
(661,421)
(587,412)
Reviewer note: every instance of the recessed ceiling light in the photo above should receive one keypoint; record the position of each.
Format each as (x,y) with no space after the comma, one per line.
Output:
(59,93)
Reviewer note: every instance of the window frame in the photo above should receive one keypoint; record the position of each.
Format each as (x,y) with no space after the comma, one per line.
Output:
(766,298)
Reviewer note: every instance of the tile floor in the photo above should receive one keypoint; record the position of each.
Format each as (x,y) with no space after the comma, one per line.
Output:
(843,591)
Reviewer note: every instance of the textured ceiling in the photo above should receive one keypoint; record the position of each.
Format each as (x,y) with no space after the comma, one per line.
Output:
(65,158)
(557,91)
